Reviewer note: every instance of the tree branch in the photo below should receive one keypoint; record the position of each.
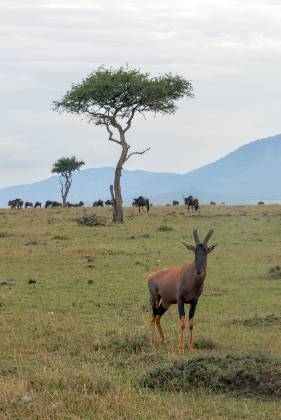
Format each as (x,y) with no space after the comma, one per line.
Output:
(111,138)
(129,122)
(138,153)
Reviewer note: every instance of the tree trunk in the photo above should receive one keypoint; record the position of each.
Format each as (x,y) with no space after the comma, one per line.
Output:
(116,195)
(65,187)
(64,196)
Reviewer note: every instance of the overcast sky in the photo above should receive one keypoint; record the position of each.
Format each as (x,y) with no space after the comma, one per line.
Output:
(229,49)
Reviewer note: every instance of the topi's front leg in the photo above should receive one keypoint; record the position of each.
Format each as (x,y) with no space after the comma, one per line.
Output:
(182,323)
(191,317)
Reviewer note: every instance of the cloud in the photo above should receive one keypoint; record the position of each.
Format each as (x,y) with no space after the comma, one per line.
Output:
(230,49)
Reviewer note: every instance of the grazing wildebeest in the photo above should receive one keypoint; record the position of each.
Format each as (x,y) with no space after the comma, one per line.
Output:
(28,204)
(12,204)
(52,204)
(68,204)
(261,202)
(80,204)
(141,202)
(212,203)
(17,203)
(56,204)
(38,204)
(48,204)
(192,202)
(108,203)
(176,203)
(98,203)
(180,285)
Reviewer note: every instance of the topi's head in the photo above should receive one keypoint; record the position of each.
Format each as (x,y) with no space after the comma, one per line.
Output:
(201,250)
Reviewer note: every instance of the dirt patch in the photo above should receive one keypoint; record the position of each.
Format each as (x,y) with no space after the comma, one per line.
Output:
(255,321)
(274,272)
(241,375)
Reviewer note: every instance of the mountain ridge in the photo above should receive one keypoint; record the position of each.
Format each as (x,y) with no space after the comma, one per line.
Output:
(248,174)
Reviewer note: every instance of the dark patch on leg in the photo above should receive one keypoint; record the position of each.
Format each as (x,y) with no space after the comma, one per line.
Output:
(161,310)
(192,309)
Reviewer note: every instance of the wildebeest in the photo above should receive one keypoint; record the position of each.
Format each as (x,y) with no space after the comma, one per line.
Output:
(141,202)
(176,203)
(28,204)
(56,204)
(180,285)
(108,203)
(38,204)
(80,204)
(192,202)
(261,202)
(98,203)
(212,203)
(17,203)
(12,204)
(52,204)
(68,204)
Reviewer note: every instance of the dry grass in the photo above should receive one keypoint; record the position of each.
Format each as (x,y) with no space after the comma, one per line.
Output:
(76,349)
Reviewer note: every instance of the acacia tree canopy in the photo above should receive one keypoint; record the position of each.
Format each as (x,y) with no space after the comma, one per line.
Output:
(65,167)
(112,97)
(108,93)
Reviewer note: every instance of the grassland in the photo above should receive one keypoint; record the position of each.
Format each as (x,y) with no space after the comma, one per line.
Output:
(71,349)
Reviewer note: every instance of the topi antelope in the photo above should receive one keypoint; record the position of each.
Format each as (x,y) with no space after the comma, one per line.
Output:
(180,285)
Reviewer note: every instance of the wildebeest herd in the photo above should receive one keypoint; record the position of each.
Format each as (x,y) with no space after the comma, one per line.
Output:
(140,202)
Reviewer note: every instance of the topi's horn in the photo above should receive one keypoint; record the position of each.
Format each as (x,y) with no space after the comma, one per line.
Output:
(195,235)
(207,237)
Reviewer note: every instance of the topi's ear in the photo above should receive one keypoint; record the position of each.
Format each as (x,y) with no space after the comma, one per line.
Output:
(189,247)
(211,248)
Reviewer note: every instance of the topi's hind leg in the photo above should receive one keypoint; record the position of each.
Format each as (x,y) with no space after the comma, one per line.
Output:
(161,310)
(155,304)
(152,334)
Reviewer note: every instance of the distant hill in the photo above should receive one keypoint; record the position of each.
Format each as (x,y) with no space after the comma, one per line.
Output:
(250,173)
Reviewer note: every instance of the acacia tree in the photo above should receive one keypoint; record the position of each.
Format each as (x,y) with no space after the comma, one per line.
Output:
(112,98)
(65,168)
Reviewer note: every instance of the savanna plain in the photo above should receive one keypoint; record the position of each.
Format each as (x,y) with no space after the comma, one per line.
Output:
(75,314)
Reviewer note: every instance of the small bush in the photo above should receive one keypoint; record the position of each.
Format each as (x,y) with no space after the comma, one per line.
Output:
(165,228)
(275,272)
(205,344)
(92,220)
(6,235)
(60,238)
(244,375)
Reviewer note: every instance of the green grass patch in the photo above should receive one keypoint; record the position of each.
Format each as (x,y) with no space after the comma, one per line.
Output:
(204,344)
(256,321)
